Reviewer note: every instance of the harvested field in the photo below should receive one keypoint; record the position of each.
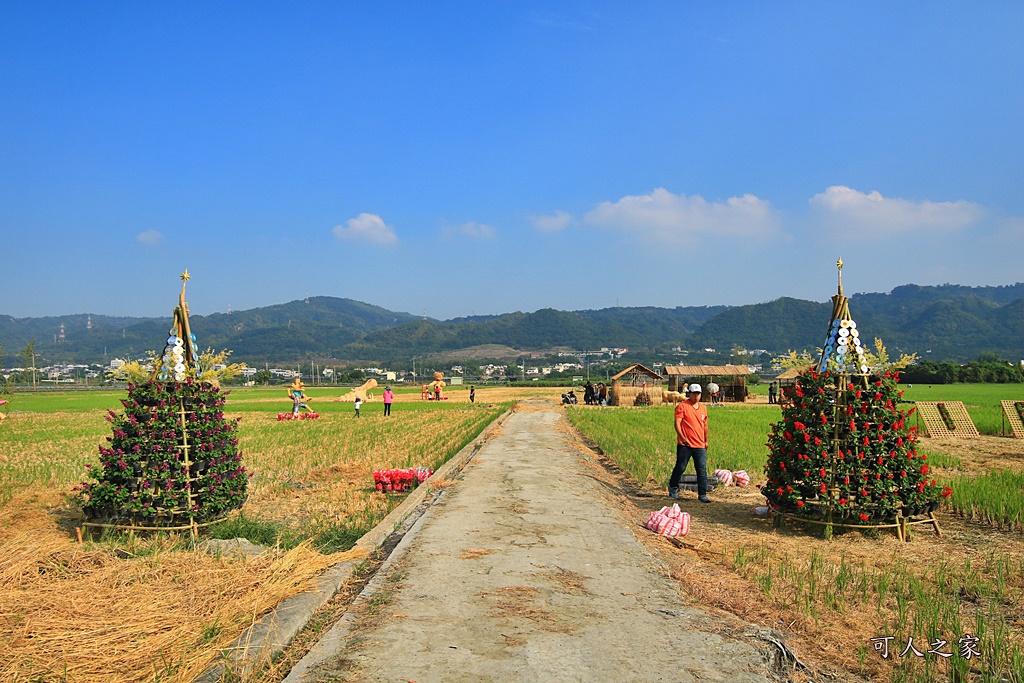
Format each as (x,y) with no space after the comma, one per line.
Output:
(64,605)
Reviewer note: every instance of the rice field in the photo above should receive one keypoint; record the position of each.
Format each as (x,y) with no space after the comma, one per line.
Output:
(63,605)
(311,496)
(954,605)
(841,594)
(642,440)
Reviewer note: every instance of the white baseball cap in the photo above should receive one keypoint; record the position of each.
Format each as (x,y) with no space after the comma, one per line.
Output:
(694,389)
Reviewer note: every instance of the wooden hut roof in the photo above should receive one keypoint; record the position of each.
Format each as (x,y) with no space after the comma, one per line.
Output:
(706,370)
(793,373)
(637,367)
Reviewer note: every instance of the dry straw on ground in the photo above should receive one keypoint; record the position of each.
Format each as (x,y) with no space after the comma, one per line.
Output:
(86,613)
(153,608)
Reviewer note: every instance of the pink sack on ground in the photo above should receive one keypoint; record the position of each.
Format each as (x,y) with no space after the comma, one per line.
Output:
(660,523)
(724,476)
(684,524)
(741,477)
(653,519)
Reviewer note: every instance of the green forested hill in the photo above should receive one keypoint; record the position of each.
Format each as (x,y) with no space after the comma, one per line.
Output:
(945,322)
(634,328)
(948,321)
(288,331)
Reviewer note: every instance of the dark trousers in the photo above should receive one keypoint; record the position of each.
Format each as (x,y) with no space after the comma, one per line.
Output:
(700,463)
(387,409)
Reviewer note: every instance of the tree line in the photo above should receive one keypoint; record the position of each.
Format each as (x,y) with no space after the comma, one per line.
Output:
(986,369)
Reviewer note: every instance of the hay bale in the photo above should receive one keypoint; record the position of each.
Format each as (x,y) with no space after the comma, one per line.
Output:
(630,396)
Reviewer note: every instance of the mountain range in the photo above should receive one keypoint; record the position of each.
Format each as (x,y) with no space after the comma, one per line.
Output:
(942,322)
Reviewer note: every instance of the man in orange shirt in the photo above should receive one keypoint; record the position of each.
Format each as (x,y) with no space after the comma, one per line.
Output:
(691,420)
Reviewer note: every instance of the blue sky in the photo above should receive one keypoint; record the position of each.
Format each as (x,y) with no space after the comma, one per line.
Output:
(478,158)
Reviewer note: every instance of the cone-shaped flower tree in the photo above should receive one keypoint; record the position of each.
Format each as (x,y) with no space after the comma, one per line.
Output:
(843,450)
(173,458)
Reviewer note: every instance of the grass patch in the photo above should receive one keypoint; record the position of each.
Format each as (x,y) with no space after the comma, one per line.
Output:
(993,498)
(256,530)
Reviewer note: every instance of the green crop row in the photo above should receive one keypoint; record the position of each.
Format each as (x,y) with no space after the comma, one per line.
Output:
(910,604)
(642,441)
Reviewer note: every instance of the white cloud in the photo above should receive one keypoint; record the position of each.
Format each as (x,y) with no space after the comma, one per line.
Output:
(472,230)
(366,227)
(872,214)
(552,223)
(150,237)
(666,218)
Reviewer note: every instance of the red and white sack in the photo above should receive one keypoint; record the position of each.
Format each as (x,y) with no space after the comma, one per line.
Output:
(741,477)
(653,519)
(669,521)
(684,524)
(669,526)
(724,476)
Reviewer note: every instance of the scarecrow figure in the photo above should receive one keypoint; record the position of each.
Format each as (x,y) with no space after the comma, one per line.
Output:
(434,387)
(296,392)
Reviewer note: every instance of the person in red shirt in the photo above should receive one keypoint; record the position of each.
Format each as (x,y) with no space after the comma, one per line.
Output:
(691,420)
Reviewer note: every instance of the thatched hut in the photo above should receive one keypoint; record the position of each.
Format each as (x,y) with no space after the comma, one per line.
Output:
(732,380)
(788,378)
(636,386)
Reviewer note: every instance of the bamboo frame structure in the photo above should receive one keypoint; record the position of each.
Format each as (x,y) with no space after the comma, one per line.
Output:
(901,524)
(935,427)
(1012,418)
(841,352)
(178,364)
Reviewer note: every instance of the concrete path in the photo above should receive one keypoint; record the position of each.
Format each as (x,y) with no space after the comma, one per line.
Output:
(524,572)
